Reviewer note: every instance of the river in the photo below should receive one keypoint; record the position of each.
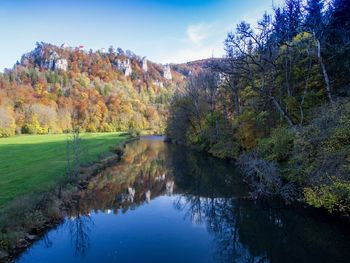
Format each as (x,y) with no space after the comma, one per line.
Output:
(165,203)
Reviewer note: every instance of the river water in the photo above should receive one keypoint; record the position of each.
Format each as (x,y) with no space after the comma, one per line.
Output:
(165,203)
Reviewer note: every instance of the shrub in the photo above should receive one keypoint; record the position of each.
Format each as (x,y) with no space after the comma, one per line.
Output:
(321,160)
(279,146)
(7,123)
(33,126)
(264,178)
(334,196)
(106,127)
(134,132)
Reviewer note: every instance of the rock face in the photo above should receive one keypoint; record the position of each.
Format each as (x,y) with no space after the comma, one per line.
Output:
(50,62)
(221,79)
(128,69)
(125,66)
(61,64)
(167,72)
(55,62)
(144,64)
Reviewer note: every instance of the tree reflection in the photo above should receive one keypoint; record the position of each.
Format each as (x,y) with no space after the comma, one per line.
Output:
(79,226)
(244,231)
(144,173)
(79,229)
(209,192)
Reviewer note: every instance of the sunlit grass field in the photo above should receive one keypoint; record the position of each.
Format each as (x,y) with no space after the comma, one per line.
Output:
(30,163)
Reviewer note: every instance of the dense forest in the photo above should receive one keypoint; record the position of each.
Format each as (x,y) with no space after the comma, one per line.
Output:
(54,89)
(278,103)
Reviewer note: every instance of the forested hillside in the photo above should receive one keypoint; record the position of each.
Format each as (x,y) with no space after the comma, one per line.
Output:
(278,102)
(53,89)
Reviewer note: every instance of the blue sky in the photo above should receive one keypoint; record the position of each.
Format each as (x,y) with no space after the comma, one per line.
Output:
(163,30)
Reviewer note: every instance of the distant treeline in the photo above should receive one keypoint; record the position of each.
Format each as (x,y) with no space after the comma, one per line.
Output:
(278,102)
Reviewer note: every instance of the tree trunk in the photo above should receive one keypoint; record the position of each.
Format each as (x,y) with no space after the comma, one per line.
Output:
(283,112)
(324,72)
(236,98)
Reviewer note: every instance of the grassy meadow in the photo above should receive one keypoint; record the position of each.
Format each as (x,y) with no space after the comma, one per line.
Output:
(30,163)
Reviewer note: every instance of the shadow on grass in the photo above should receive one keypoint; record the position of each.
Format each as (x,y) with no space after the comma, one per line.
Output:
(38,166)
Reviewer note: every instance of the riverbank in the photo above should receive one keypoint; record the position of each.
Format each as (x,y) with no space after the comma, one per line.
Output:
(26,218)
(268,181)
(178,197)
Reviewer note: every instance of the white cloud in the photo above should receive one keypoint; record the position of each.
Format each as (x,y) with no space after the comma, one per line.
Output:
(194,52)
(205,40)
(190,54)
(202,40)
(196,33)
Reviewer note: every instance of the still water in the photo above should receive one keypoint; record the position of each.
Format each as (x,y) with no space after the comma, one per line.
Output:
(164,203)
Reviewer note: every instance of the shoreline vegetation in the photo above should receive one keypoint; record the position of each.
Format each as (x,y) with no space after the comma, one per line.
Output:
(278,103)
(27,217)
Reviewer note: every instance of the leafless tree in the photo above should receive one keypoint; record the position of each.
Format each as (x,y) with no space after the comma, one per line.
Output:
(256,55)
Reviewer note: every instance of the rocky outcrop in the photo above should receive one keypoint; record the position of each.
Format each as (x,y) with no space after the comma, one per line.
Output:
(144,65)
(61,64)
(47,58)
(221,79)
(128,69)
(55,62)
(167,72)
(50,62)
(125,66)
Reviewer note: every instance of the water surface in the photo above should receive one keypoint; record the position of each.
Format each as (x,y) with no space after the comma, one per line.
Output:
(164,203)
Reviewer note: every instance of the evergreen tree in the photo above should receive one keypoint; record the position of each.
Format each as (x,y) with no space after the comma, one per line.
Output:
(314,17)
(337,40)
(279,26)
(292,13)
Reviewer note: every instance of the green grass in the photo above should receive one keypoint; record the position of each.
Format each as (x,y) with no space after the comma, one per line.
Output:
(31,163)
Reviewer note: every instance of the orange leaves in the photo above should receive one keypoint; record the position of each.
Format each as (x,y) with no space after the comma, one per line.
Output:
(92,92)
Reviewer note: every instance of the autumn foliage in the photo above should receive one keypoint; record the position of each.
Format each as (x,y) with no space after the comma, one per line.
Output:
(92,93)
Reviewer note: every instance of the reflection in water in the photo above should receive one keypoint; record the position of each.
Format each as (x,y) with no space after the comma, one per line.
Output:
(79,229)
(143,171)
(169,187)
(205,192)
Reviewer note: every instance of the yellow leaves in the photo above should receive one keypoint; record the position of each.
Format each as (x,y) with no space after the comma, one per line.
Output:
(334,196)
(33,126)
(302,36)
(248,92)
(91,128)
(247,133)
(40,88)
(7,123)
(83,80)
(247,136)
(84,95)
(107,127)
